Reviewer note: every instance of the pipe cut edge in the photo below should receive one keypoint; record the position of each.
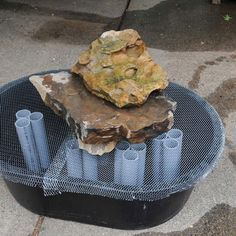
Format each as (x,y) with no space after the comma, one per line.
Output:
(24,113)
(175,134)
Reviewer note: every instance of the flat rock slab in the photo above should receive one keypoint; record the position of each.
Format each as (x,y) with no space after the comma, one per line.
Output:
(96,121)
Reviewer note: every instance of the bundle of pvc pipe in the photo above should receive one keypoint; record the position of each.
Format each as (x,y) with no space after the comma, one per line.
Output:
(74,159)
(90,166)
(121,147)
(178,136)
(140,148)
(166,152)
(28,147)
(157,156)
(130,166)
(40,137)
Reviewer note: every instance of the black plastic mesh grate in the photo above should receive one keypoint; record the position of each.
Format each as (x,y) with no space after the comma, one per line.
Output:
(203,141)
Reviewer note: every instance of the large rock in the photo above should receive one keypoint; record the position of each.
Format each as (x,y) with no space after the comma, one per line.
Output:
(99,124)
(118,68)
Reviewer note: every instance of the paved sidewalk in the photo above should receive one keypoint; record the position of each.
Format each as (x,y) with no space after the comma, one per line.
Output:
(43,35)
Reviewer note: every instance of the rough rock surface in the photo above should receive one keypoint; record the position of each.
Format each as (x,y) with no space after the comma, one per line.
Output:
(99,124)
(118,68)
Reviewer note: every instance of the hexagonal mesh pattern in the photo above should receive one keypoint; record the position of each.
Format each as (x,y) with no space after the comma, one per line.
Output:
(172,162)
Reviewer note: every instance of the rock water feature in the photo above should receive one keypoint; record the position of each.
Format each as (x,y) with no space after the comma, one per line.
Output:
(112,93)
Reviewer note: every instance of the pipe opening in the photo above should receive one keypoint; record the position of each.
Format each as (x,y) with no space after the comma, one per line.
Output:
(22,123)
(130,155)
(35,116)
(171,143)
(23,113)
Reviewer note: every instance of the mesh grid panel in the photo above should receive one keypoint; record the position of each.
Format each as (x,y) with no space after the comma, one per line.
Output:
(203,141)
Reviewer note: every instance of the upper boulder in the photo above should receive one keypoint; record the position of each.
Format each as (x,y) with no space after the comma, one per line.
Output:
(118,68)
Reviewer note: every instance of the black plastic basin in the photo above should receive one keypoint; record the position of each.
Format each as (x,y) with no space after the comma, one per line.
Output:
(99,210)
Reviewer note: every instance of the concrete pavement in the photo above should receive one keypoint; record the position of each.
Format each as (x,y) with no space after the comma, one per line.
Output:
(15,220)
(184,25)
(42,35)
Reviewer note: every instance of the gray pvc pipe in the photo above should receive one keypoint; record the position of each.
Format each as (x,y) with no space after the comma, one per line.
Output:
(40,137)
(74,160)
(130,168)
(121,147)
(140,148)
(157,156)
(24,113)
(28,147)
(176,134)
(90,166)
(171,159)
